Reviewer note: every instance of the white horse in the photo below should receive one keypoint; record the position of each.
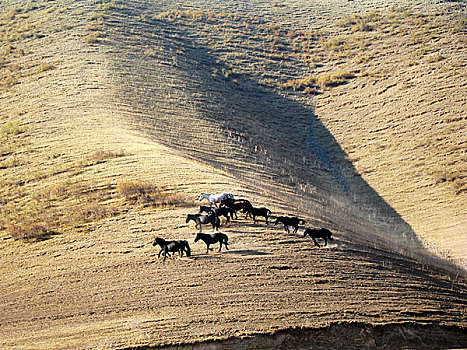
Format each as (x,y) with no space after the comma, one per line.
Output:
(215,198)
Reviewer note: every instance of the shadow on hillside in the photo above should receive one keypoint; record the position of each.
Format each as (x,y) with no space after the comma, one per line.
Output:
(248,130)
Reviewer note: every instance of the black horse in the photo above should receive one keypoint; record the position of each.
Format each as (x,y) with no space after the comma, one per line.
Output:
(221,211)
(254,212)
(180,246)
(199,219)
(211,238)
(318,233)
(290,221)
(235,205)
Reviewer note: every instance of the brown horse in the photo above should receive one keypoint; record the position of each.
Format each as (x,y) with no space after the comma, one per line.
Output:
(221,211)
(254,212)
(235,205)
(290,221)
(318,233)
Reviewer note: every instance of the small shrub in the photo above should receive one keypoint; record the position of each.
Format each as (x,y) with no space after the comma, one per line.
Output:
(349,21)
(91,38)
(363,27)
(11,129)
(28,231)
(435,58)
(148,194)
(43,68)
(301,84)
(135,189)
(337,43)
(335,79)
(100,156)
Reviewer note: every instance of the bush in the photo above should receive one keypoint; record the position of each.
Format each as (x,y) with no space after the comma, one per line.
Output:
(148,194)
(29,231)
(91,38)
(302,84)
(43,68)
(311,84)
(335,79)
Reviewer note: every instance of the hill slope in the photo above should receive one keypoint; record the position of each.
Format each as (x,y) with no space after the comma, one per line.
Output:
(92,96)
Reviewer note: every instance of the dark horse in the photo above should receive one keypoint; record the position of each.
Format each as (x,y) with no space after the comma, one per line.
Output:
(235,205)
(211,238)
(254,212)
(172,247)
(290,221)
(221,211)
(204,219)
(318,233)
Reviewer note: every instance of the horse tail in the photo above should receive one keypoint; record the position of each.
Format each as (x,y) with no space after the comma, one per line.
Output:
(226,239)
(269,212)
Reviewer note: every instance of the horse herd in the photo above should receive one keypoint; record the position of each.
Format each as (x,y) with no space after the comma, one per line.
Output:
(228,208)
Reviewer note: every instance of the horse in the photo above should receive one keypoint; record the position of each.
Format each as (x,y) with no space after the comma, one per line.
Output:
(180,246)
(318,233)
(215,198)
(254,212)
(290,221)
(221,211)
(204,219)
(211,238)
(235,205)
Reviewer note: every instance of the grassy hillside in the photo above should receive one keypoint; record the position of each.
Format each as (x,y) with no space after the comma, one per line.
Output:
(116,115)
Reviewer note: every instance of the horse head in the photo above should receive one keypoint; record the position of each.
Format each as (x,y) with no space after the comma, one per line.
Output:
(158,241)
(187,248)
(198,236)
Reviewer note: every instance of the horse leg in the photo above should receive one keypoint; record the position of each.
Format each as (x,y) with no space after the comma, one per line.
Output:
(325,241)
(207,248)
(220,245)
(314,240)
(267,223)
(165,253)
(226,245)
